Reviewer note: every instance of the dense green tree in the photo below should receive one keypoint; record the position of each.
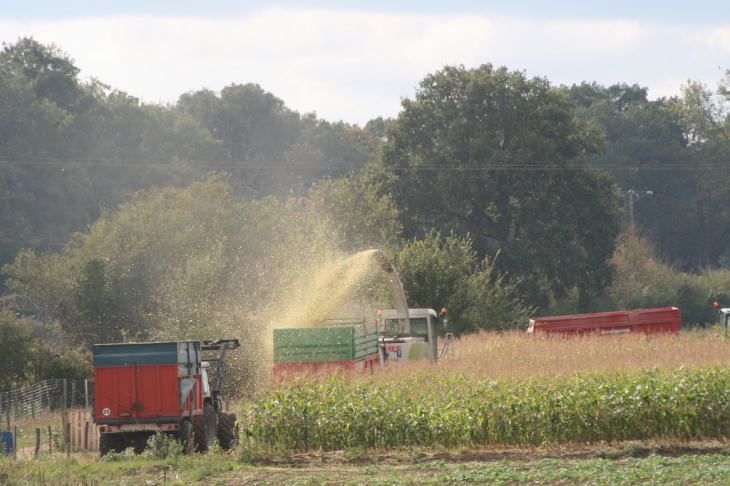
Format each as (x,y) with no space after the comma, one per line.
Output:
(490,153)
(53,364)
(445,272)
(16,343)
(255,128)
(272,149)
(376,127)
(38,286)
(334,149)
(705,119)
(42,104)
(357,213)
(70,147)
(673,148)
(50,71)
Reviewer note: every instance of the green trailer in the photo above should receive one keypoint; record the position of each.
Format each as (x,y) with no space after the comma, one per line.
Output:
(344,344)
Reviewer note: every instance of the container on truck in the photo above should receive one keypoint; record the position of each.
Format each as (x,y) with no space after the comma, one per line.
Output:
(145,388)
(647,321)
(344,344)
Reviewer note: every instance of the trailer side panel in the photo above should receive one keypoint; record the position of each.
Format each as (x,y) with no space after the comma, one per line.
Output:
(647,321)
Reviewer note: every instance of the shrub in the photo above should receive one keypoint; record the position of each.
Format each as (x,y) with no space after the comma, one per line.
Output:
(163,446)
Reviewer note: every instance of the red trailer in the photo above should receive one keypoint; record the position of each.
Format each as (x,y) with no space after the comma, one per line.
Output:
(283,371)
(648,321)
(145,388)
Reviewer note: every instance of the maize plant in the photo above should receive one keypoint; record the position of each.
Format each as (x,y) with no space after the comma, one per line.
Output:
(424,409)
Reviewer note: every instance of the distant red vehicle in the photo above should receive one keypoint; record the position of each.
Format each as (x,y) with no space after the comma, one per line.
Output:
(647,321)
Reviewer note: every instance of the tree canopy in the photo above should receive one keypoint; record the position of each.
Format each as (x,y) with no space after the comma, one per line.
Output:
(70,147)
(494,155)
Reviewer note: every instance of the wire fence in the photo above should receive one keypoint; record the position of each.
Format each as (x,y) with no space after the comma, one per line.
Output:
(44,397)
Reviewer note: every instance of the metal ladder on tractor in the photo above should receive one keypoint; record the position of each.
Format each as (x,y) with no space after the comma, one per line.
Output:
(448,349)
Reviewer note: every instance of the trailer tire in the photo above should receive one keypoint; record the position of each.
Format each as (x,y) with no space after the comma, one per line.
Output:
(227,433)
(185,436)
(204,428)
(111,443)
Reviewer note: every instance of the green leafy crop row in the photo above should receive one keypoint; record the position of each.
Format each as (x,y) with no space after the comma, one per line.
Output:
(430,409)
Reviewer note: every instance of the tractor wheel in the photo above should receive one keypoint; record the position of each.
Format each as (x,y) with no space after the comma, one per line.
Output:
(204,428)
(111,443)
(227,433)
(185,436)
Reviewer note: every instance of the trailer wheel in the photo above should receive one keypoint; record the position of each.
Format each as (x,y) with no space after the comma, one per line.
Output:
(204,428)
(227,433)
(111,443)
(185,436)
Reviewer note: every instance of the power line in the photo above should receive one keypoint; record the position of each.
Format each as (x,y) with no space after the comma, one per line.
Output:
(233,165)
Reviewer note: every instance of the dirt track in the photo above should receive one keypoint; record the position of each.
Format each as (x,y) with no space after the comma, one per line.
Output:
(621,451)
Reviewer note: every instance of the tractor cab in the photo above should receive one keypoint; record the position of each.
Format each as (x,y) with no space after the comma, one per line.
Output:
(407,338)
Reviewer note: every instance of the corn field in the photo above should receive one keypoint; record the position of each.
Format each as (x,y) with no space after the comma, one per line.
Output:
(428,409)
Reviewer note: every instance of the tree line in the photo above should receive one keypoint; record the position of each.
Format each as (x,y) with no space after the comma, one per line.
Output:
(498,195)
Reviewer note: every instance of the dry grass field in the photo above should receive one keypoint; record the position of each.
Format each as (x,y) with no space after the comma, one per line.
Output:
(521,356)
(489,355)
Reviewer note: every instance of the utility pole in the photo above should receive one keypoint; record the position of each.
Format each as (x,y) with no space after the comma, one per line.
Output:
(638,194)
(631,207)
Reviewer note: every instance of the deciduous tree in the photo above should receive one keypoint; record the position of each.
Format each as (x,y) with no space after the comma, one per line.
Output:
(500,157)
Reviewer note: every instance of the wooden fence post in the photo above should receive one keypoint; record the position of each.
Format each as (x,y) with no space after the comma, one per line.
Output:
(79,439)
(67,432)
(37,441)
(50,441)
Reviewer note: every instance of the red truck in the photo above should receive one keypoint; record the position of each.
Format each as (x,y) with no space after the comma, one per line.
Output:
(648,321)
(142,389)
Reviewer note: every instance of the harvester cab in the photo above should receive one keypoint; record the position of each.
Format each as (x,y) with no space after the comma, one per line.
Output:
(406,339)
(405,334)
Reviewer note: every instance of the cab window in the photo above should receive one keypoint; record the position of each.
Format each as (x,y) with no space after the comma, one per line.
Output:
(392,328)
(419,326)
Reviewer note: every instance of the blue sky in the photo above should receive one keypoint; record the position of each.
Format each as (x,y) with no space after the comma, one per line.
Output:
(355,60)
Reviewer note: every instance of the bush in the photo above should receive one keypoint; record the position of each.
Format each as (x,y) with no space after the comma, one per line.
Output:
(163,446)
(15,342)
(444,272)
(644,280)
